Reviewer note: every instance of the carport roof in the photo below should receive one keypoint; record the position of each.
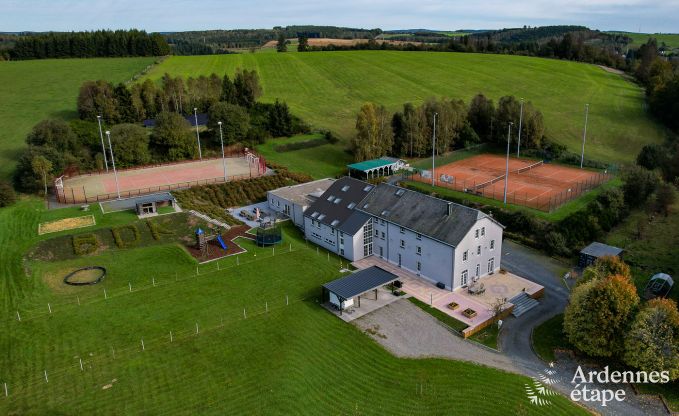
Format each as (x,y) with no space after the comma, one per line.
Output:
(360,282)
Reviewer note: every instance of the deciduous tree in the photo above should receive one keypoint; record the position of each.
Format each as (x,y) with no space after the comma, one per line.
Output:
(173,137)
(598,314)
(652,343)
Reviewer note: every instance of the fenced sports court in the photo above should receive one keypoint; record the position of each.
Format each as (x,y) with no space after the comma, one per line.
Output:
(531,183)
(101,186)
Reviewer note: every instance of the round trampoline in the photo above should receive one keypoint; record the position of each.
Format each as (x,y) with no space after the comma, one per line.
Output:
(85,276)
(269,234)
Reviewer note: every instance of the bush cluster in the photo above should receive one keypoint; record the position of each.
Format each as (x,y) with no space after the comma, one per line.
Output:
(118,235)
(85,244)
(213,200)
(157,230)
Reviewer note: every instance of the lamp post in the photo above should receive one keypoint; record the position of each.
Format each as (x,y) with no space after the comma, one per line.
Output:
(584,136)
(509,136)
(433,152)
(518,147)
(221,138)
(103,148)
(113,162)
(195,114)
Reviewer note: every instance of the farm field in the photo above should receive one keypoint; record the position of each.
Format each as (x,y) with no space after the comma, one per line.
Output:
(281,359)
(34,90)
(327,88)
(670,39)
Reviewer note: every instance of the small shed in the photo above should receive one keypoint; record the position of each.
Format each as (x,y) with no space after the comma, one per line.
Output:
(148,205)
(592,252)
(343,291)
(659,285)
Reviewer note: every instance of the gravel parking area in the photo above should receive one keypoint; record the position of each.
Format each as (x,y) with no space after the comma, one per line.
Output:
(406,331)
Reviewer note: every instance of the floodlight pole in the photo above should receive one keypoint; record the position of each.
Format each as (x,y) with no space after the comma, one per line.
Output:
(103,147)
(518,147)
(221,138)
(113,162)
(509,136)
(584,136)
(195,114)
(433,152)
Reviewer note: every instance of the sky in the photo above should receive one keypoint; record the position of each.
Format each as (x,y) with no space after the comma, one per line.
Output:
(182,15)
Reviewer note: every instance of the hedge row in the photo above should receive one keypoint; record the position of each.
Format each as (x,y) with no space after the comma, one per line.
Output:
(328,138)
(212,200)
(563,238)
(156,230)
(85,244)
(120,241)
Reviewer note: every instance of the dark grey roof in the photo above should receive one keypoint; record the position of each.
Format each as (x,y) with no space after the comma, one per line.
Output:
(329,211)
(354,223)
(360,282)
(131,203)
(599,250)
(438,219)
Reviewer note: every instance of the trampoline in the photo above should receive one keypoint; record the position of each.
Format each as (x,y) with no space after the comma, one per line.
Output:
(69,279)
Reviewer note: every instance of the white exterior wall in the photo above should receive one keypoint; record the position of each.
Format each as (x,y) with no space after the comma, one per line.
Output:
(342,305)
(330,238)
(470,243)
(285,207)
(435,258)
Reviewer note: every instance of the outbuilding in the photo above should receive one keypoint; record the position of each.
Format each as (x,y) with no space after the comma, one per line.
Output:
(374,168)
(592,252)
(344,291)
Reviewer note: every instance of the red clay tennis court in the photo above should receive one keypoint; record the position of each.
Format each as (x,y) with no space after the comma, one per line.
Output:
(531,183)
(144,180)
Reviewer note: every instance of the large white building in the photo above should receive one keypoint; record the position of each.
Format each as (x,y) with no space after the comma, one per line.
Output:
(293,200)
(443,242)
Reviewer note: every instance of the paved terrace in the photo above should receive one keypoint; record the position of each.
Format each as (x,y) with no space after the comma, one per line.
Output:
(498,285)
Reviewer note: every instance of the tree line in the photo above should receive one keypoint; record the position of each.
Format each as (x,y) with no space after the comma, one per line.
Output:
(100,43)
(55,145)
(409,132)
(606,318)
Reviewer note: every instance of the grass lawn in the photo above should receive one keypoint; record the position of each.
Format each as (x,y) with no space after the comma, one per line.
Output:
(548,336)
(655,251)
(459,326)
(44,88)
(487,336)
(328,160)
(554,216)
(280,358)
(327,89)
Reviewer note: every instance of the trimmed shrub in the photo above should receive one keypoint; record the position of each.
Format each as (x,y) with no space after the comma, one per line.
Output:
(157,230)
(120,240)
(7,195)
(85,244)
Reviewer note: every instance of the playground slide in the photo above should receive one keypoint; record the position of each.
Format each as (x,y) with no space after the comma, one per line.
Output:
(221,242)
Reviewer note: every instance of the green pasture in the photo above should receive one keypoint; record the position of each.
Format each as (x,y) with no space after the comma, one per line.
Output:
(48,88)
(262,344)
(638,39)
(327,89)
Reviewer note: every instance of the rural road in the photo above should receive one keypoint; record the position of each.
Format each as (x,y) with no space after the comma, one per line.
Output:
(407,331)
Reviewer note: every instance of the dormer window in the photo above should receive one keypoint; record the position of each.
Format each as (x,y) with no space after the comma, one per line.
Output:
(345,188)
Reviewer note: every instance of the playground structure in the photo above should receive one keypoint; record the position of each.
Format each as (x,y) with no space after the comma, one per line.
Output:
(269,232)
(69,279)
(203,242)
(75,188)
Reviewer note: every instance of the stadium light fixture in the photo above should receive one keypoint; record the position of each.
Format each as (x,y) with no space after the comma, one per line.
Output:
(103,147)
(195,114)
(584,137)
(221,138)
(509,137)
(113,162)
(433,152)
(518,147)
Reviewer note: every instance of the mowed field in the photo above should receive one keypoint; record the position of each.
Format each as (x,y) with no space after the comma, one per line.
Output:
(670,39)
(328,88)
(294,358)
(39,89)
